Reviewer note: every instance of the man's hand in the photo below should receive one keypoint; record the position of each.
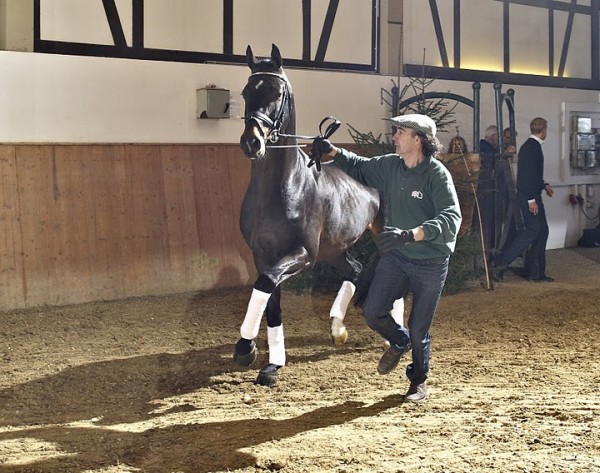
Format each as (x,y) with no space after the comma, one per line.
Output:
(320,146)
(533,207)
(549,190)
(392,238)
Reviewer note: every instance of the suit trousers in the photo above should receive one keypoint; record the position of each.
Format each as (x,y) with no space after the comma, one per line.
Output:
(533,238)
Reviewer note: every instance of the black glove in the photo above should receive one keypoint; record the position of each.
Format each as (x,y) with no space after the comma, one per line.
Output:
(320,146)
(392,238)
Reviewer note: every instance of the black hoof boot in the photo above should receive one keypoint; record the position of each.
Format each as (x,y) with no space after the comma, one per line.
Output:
(245,352)
(268,376)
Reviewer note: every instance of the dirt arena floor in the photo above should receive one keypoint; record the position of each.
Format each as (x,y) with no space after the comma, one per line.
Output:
(149,385)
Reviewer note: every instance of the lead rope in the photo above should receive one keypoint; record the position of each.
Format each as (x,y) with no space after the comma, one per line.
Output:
(315,156)
(330,130)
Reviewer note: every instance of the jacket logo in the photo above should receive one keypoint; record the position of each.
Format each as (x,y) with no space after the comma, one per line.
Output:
(417,195)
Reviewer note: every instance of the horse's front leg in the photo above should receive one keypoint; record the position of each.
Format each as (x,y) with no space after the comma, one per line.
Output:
(268,375)
(266,295)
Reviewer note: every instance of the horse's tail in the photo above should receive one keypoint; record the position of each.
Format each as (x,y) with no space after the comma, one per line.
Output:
(365,277)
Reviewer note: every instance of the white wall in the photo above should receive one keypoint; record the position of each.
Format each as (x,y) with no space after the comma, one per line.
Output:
(53,98)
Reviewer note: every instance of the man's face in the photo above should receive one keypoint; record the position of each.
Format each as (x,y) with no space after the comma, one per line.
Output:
(494,138)
(405,140)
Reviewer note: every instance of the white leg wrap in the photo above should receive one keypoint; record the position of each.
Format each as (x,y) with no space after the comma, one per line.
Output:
(397,312)
(276,345)
(256,307)
(340,305)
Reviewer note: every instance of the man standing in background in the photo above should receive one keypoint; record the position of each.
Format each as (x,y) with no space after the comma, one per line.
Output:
(530,184)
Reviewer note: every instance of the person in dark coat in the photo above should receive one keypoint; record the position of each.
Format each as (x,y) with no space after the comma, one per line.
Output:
(530,184)
(488,149)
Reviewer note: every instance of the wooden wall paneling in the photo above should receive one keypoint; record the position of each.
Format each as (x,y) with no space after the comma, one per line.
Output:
(180,205)
(103,207)
(70,252)
(92,222)
(126,188)
(209,216)
(11,259)
(144,225)
(34,167)
(227,227)
(238,177)
(124,221)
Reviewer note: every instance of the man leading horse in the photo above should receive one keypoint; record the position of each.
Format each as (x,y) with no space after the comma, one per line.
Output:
(422,218)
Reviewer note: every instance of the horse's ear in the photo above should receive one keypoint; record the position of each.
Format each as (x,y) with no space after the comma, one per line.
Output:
(250,59)
(276,55)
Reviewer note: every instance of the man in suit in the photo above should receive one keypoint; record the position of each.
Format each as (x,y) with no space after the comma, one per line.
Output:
(530,184)
(486,186)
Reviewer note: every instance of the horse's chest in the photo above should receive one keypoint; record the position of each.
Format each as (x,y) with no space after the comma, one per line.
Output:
(264,225)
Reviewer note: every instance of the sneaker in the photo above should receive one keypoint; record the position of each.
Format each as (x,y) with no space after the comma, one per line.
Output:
(416,392)
(390,359)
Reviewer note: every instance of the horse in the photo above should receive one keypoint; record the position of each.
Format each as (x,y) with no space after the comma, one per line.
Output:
(293,214)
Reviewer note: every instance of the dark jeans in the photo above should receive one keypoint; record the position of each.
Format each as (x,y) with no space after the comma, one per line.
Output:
(534,237)
(394,276)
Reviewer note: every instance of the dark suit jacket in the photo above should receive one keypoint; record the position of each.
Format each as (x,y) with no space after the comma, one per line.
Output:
(530,170)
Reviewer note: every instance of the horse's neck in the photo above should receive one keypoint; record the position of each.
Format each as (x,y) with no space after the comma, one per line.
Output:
(283,168)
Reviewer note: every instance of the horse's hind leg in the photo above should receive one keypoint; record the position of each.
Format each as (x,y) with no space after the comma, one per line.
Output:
(349,268)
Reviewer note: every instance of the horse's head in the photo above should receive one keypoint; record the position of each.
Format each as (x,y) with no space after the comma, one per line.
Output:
(268,103)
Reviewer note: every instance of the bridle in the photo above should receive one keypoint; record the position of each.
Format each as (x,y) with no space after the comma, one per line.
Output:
(260,117)
(275,125)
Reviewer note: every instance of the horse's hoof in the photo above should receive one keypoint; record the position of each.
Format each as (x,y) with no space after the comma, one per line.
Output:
(245,352)
(268,376)
(339,334)
(341,338)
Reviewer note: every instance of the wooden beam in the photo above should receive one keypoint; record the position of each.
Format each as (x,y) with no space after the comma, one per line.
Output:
(306,29)
(114,22)
(228,26)
(437,24)
(138,23)
(457,32)
(566,41)
(326,32)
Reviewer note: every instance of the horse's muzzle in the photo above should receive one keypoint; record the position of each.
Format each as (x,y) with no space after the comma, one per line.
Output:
(252,141)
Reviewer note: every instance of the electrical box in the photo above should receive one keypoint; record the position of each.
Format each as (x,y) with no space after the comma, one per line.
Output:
(212,102)
(584,150)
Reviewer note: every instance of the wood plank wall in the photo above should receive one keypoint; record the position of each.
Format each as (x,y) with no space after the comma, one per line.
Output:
(96,222)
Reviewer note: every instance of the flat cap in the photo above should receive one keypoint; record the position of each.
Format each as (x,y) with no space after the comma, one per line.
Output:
(415,121)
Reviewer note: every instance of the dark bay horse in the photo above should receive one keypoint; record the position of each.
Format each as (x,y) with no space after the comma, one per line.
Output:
(292,215)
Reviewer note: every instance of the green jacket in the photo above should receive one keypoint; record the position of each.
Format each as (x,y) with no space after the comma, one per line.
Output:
(422,196)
